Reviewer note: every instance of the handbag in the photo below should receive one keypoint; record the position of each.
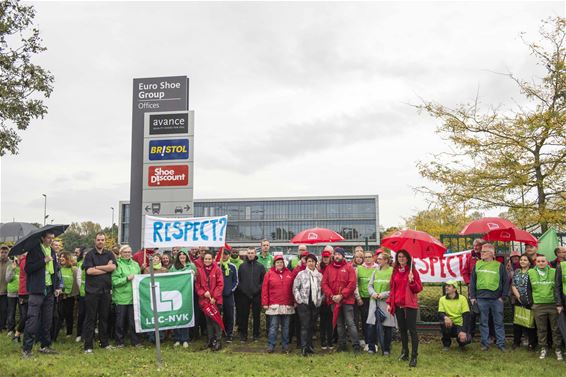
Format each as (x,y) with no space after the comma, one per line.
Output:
(524,317)
(380,315)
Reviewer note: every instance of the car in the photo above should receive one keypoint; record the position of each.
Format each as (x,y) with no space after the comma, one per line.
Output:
(178,210)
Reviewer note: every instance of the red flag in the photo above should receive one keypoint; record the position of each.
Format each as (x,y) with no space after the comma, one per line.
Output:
(211,311)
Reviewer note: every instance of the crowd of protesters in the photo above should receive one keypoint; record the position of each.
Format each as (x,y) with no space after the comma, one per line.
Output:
(89,293)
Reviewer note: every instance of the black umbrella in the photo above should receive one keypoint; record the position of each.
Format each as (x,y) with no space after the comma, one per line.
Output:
(34,238)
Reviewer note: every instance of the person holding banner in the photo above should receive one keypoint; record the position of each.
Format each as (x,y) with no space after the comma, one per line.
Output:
(182,263)
(380,322)
(489,284)
(230,274)
(454,314)
(541,290)
(520,293)
(122,296)
(405,284)
(209,287)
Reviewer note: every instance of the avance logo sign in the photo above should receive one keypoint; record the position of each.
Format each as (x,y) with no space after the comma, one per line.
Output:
(168,175)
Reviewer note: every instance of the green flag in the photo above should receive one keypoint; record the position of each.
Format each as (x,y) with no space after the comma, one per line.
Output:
(547,243)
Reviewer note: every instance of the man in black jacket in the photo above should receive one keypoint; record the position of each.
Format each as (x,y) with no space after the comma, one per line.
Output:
(42,282)
(250,275)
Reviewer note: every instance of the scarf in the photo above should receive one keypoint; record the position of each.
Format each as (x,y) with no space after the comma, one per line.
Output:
(315,287)
(208,269)
(339,264)
(49,266)
(157,266)
(226,267)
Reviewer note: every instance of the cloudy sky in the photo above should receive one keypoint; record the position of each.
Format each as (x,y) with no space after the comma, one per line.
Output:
(290,99)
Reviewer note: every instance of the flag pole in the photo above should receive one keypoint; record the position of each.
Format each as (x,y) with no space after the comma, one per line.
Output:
(155,321)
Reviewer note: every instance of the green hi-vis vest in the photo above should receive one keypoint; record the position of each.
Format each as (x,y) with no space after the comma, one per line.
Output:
(14,284)
(543,287)
(364,274)
(487,275)
(67,274)
(83,279)
(563,270)
(382,280)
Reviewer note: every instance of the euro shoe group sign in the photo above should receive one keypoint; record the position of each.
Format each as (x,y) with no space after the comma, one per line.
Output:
(174,296)
(162,232)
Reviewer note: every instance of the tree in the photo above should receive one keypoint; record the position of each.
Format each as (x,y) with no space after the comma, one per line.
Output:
(509,158)
(439,220)
(22,83)
(80,234)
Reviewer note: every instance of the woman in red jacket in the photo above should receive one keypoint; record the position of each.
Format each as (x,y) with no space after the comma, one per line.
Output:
(403,302)
(278,302)
(209,286)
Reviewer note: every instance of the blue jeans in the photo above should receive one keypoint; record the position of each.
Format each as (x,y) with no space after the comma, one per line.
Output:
(181,335)
(494,306)
(274,322)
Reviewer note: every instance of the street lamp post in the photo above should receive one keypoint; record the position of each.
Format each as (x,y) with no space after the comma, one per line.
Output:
(112,225)
(44,208)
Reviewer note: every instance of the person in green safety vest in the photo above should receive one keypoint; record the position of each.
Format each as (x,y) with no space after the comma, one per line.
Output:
(363,274)
(81,297)
(454,313)
(69,274)
(540,288)
(489,284)
(13,281)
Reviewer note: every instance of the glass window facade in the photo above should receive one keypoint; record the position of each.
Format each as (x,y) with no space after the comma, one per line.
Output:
(280,220)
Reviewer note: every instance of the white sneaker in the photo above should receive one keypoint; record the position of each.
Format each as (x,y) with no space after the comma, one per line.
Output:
(362,343)
(185,344)
(177,344)
(366,347)
(559,355)
(109,347)
(88,351)
(542,353)
(10,333)
(78,339)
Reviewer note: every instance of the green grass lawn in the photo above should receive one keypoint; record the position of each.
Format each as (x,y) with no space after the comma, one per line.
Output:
(250,360)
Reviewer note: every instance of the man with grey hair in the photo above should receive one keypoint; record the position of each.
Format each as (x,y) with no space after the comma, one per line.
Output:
(488,286)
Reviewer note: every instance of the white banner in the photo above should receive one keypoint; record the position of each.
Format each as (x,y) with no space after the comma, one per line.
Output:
(442,269)
(193,232)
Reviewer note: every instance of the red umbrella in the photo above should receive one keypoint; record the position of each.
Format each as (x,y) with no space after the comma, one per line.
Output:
(511,234)
(485,225)
(418,244)
(336,311)
(317,235)
(212,312)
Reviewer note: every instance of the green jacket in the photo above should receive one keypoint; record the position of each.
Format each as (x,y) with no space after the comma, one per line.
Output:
(188,267)
(236,262)
(122,293)
(267,261)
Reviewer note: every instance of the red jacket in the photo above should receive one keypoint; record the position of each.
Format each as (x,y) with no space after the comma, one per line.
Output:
(22,291)
(340,280)
(402,293)
(138,257)
(469,267)
(299,268)
(277,288)
(212,282)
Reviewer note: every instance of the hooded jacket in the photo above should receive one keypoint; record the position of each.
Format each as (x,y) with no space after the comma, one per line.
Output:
(401,292)
(122,291)
(340,279)
(277,288)
(212,282)
(250,275)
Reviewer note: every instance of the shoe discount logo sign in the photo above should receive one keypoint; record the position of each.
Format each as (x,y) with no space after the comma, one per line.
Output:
(174,301)
(168,175)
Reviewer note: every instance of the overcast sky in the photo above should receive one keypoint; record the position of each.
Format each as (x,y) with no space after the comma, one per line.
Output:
(290,99)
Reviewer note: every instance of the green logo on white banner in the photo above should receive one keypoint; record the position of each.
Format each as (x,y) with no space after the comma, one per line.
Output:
(174,301)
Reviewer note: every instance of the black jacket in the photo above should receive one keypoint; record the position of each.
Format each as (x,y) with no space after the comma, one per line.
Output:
(35,271)
(558,293)
(250,276)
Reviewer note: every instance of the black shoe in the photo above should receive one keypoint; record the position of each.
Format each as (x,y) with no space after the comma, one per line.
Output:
(229,339)
(255,339)
(244,339)
(216,345)
(413,362)
(404,356)
(356,349)
(269,349)
(310,349)
(26,355)
(48,351)
(304,352)
(341,348)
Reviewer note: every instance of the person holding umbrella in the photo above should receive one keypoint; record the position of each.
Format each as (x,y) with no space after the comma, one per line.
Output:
(339,284)
(42,278)
(405,284)
(380,321)
(489,284)
(209,286)
(308,296)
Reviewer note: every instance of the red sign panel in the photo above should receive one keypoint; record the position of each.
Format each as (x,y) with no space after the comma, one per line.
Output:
(168,175)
